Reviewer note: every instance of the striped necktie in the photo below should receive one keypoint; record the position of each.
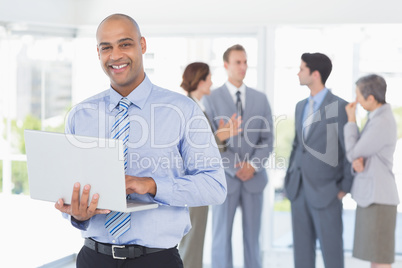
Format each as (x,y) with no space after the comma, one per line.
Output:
(239,104)
(117,223)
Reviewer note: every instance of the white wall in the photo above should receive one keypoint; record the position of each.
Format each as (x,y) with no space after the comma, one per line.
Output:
(213,12)
(41,11)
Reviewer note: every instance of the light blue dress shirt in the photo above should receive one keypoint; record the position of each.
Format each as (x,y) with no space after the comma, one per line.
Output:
(171,141)
(318,99)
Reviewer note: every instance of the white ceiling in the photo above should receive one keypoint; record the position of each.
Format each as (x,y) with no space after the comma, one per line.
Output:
(203,12)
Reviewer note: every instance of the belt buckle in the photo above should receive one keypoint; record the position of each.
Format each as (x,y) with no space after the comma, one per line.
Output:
(117,257)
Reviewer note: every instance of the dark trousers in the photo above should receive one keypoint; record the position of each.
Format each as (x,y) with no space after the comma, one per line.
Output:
(169,258)
(310,224)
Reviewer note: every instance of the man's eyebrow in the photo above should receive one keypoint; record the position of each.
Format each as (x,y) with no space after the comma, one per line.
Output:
(125,39)
(119,41)
(103,44)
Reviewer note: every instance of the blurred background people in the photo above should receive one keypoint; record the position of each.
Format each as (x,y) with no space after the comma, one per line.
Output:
(197,83)
(374,190)
(319,174)
(244,159)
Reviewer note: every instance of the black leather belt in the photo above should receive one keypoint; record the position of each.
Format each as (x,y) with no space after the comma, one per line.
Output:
(120,251)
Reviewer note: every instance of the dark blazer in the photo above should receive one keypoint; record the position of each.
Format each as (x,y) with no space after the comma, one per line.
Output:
(254,145)
(320,160)
(255,142)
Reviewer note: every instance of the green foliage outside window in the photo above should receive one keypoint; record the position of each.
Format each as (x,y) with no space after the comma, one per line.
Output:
(30,122)
(398,118)
(1,176)
(19,168)
(284,135)
(20,177)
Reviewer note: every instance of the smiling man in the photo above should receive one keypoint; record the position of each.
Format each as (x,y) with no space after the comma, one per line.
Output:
(161,148)
(120,51)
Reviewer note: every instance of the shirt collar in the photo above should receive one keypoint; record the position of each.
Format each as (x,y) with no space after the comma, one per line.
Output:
(232,89)
(319,97)
(138,96)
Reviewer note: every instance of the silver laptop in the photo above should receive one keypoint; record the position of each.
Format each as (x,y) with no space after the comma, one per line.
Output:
(56,161)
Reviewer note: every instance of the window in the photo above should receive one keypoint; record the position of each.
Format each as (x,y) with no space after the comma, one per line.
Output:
(36,95)
(36,92)
(167,57)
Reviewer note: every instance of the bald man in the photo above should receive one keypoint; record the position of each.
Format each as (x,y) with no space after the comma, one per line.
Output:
(161,151)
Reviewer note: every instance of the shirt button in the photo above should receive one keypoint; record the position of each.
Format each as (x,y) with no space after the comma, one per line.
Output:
(185,205)
(114,241)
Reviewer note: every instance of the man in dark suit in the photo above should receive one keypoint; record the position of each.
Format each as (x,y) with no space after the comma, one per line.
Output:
(319,174)
(243,160)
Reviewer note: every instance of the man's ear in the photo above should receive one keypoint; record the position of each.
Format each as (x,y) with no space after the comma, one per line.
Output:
(225,64)
(97,49)
(316,75)
(143,43)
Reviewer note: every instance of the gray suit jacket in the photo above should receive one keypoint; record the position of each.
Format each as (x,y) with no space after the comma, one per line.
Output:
(254,144)
(319,161)
(376,144)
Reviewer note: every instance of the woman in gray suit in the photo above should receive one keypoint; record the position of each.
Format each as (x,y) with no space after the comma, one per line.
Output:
(197,82)
(374,189)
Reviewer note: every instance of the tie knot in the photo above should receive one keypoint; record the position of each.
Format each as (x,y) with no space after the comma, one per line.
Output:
(238,93)
(311,104)
(124,103)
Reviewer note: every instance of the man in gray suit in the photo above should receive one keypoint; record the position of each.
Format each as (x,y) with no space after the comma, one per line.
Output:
(319,174)
(244,160)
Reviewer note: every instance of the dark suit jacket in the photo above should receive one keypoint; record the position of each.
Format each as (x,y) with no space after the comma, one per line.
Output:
(319,162)
(256,141)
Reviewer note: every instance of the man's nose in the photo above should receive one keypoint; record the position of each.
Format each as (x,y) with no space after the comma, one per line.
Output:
(116,54)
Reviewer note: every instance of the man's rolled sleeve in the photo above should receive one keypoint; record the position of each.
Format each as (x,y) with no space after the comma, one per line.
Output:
(81,225)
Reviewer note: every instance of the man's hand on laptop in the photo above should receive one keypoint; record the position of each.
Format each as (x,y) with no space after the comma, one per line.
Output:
(79,208)
(140,185)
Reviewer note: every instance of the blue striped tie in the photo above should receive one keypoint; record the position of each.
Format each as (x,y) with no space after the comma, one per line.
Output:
(117,223)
